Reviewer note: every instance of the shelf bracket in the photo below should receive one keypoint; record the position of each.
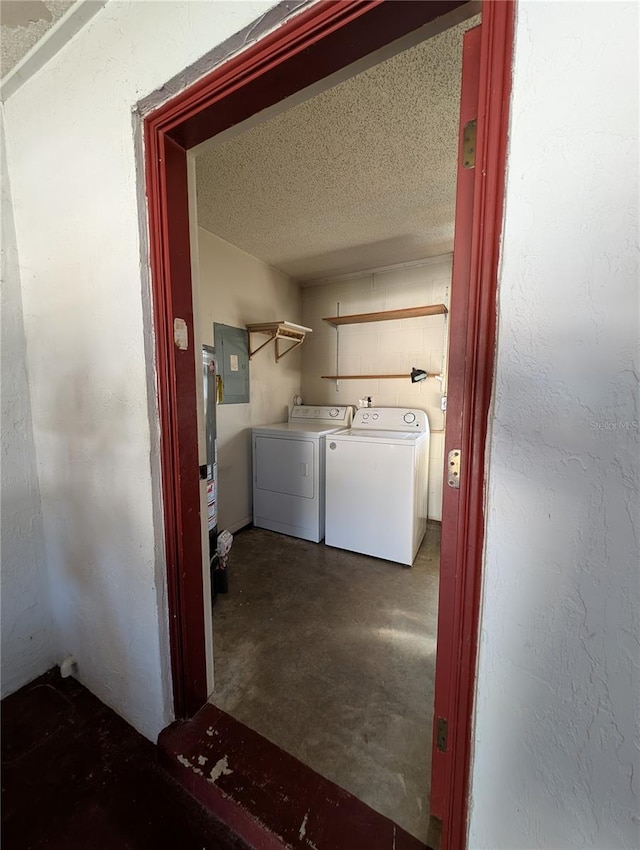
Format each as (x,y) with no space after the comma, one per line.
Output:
(281,354)
(260,347)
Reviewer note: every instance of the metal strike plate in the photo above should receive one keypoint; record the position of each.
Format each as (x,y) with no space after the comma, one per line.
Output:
(453,469)
(469,144)
(441,735)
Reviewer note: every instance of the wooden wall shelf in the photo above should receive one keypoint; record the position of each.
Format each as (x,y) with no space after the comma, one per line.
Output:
(371,377)
(388,315)
(277,331)
(361,377)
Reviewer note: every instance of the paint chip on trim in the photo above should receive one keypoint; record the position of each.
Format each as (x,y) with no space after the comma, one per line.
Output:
(303,827)
(221,768)
(180,334)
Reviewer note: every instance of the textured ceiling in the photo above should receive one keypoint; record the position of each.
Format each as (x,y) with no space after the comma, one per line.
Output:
(22,24)
(359,176)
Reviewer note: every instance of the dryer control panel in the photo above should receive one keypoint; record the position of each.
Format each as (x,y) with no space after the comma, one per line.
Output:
(322,413)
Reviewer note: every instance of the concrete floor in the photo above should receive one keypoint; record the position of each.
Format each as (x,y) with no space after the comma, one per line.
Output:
(331,656)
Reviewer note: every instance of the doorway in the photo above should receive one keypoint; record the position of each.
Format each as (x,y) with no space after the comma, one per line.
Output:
(177,127)
(343,203)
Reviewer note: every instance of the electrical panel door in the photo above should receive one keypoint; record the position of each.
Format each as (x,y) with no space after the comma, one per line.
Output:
(232,357)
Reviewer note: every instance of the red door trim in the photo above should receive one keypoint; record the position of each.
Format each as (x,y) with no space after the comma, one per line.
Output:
(319,40)
(167,191)
(189,118)
(455,686)
(459,381)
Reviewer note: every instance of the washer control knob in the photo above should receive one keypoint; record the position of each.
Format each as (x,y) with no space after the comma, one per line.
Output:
(334,412)
(365,416)
(409,418)
(375,416)
(333,446)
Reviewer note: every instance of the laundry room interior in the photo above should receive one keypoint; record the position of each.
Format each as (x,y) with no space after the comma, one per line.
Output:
(322,237)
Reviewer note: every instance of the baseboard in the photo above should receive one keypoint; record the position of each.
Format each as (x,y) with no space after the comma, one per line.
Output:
(237,526)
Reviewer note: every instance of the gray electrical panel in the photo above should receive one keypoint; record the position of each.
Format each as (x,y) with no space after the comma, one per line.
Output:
(232,356)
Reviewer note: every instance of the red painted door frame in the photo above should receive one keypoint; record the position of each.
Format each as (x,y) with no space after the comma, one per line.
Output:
(472,348)
(448,616)
(316,42)
(479,208)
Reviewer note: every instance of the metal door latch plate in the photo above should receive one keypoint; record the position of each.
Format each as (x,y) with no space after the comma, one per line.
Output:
(469,144)
(441,734)
(453,469)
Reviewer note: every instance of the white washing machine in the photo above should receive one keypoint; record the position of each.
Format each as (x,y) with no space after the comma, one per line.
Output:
(377,484)
(288,470)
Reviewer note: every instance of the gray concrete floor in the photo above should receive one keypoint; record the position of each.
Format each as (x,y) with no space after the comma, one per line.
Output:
(331,656)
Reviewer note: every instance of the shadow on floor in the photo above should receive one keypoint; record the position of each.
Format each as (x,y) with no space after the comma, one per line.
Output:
(75,775)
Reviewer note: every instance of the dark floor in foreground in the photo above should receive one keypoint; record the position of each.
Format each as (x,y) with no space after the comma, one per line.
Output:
(76,776)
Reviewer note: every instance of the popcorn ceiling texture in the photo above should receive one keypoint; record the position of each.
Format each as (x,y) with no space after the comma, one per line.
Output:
(23,24)
(359,176)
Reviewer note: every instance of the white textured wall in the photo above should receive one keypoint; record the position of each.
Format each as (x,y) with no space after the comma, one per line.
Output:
(238,289)
(556,750)
(71,159)
(26,649)
(390,347)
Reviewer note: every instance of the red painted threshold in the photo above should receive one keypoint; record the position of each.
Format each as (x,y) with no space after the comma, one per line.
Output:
(266,796)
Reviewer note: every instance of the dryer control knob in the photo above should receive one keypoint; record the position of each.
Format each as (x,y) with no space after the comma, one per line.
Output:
(334,411)
(409,418)
(365,416)
(332,446)
(375,416)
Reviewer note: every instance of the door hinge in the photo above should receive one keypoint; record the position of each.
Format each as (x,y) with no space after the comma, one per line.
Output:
(469,144)
(453,468)
(441,734)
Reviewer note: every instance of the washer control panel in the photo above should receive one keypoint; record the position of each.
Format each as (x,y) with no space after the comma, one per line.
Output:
(391,419)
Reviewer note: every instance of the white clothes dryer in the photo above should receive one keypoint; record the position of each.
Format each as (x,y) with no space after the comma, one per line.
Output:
(288,470)
(377,484)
